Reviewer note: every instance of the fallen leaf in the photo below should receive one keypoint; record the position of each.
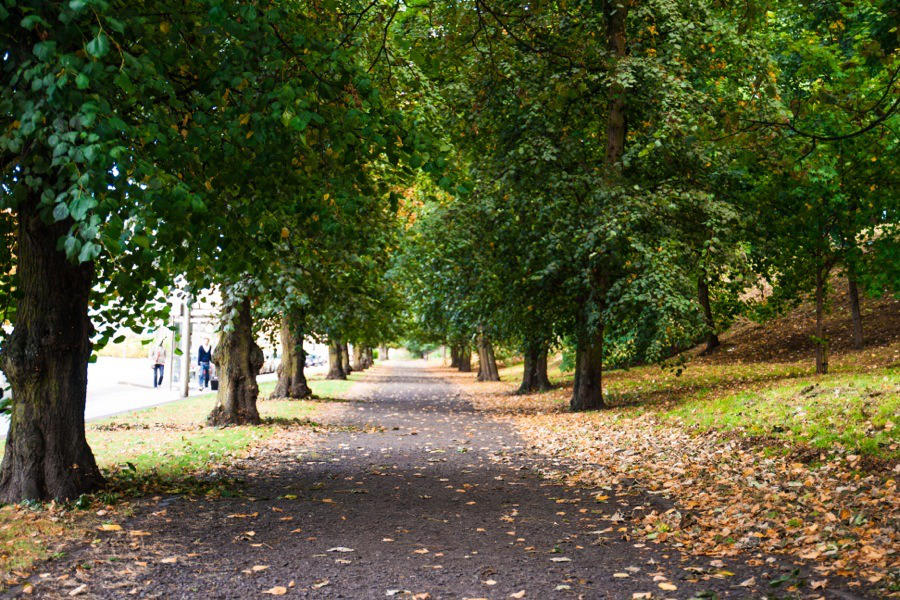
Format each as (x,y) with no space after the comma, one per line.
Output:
(79,590)
(278,590)
(110,527)
(258,568)
(320,584)
(519,594)
(341,549)
(669,587)
(170,560)
(560,559)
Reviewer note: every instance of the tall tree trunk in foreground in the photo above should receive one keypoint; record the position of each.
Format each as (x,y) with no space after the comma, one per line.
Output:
(712,340)
(465,359)
(534,376)
(454,356)
(487,362)
(855,313)
(820,340)
(238,360)
(291,379)
(335,364)
(45,360)
(356,361)
(345,358)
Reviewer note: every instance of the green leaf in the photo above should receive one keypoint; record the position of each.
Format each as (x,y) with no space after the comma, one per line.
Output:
(89,251)
(60,211)
(98,47)
(82,81)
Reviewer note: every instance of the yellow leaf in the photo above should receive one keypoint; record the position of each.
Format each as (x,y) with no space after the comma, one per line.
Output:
(669,587)
(278,590)
(285,232)
(138,533)
(258,568)
(110,527)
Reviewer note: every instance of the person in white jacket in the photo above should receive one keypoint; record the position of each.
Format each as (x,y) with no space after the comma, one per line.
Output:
(158,359)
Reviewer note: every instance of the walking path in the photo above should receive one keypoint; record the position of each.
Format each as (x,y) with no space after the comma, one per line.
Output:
(435,501)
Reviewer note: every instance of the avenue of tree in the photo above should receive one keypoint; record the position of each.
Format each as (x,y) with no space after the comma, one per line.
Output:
(607,176)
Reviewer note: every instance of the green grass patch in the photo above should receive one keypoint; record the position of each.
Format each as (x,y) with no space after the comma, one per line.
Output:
(857,412)
(170,441)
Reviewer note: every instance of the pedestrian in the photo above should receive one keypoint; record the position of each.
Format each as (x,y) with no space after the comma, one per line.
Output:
(158,360)
(204,357)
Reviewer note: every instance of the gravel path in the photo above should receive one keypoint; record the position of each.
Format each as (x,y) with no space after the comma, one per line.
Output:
(435,501)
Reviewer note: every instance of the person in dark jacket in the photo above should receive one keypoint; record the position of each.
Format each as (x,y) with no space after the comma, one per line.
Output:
(204,357)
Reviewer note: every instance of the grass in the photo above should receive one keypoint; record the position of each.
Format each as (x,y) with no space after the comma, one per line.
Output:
(160,449)
(855,412)
(856,408)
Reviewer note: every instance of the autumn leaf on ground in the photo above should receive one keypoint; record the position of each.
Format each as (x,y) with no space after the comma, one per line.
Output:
(278,590)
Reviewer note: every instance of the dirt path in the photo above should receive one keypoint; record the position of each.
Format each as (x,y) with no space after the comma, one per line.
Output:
(442,501)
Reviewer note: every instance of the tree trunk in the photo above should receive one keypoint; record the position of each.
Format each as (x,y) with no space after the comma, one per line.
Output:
(335,362)
(454,356)
(616,18)
(384,353)
(368,361)
(465,359)
(712,340)
(855,313)
(356,361)
(487,362)
(820,340)
(345,358)
(291,379)
(588,391)
(45,360)
(238,360)
(534,376)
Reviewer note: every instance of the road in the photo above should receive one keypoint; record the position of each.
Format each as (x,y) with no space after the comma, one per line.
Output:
(117,385)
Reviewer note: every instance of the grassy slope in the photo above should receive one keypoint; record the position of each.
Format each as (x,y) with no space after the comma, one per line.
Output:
(856,408)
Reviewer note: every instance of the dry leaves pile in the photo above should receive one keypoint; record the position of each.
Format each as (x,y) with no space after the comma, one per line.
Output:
(730,494)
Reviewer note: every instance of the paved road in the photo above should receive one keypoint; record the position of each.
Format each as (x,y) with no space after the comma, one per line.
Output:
(117,385)
(437,502)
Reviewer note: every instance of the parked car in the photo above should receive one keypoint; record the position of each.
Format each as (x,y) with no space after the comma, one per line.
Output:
(314,360)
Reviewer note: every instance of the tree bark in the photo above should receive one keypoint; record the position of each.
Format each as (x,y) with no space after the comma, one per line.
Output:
(616,13)
(345,358)
(356,361)
(588,391)
(454,356)
(291,378)
(45,361)
(238,360)
(384,353)
(335,362)
(712,339)
(465,359)
(368,360)
(487,361)
(534,376)
(855,313)
(820,340)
